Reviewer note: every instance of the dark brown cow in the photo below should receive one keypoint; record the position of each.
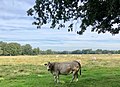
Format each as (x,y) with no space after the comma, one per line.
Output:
(64,68)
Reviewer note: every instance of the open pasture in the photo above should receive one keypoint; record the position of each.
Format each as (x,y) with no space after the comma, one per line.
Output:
(98,70)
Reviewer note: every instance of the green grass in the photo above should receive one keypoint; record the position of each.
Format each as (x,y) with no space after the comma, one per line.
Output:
(28,71)
(38,76)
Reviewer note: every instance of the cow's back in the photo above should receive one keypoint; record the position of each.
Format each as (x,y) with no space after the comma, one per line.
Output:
(66,67)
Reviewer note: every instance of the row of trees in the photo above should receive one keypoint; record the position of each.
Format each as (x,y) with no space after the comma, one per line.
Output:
(12,49)
(16,49)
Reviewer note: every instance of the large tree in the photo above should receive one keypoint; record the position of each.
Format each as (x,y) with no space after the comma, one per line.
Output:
(102,15)
(3,46)
(13,49)
(36,51)
(27,49)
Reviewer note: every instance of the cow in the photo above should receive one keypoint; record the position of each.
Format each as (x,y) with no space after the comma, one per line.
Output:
(64,68)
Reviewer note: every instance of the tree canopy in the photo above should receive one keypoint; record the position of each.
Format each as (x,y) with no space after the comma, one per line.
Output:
(102,15)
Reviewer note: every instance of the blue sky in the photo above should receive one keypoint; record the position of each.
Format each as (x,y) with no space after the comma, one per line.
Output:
(16,26)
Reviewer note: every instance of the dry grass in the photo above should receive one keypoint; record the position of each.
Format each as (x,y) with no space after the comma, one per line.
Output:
(95,59)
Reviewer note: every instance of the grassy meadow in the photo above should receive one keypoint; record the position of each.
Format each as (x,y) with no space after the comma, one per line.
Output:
(98,70)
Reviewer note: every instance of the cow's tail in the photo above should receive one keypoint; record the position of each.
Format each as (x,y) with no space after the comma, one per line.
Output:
(79,66)
(80,70)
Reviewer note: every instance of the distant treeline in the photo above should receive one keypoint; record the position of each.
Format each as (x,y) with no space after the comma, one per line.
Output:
(13,49)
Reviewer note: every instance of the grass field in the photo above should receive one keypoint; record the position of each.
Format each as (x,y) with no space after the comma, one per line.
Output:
(29,71)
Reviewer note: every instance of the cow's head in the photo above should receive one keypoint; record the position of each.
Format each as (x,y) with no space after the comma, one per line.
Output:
(49,66)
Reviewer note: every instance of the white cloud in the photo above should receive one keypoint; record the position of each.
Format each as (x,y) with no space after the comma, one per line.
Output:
(14,7)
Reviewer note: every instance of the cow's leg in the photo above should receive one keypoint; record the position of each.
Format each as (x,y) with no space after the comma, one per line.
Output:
(55,78)
(58,79)
(76,76)
(73,77)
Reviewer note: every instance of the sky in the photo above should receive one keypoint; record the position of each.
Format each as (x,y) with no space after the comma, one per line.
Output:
(16,26)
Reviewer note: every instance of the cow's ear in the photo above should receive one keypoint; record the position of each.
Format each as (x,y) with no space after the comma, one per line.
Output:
(45,64)
(49,63)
